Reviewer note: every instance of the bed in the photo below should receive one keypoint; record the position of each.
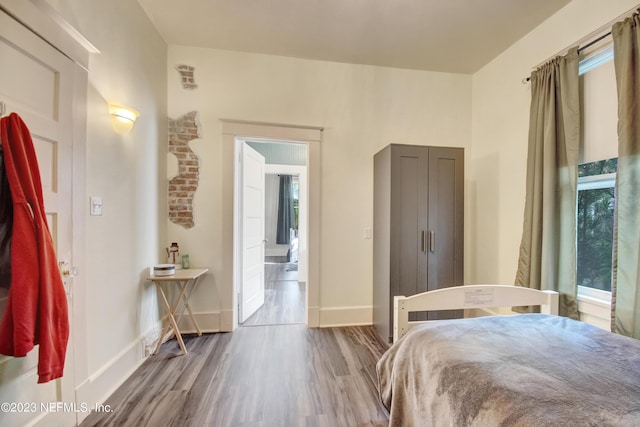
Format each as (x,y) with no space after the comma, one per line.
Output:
(521,370)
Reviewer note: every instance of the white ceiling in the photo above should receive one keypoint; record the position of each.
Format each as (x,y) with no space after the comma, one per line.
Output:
(457,36)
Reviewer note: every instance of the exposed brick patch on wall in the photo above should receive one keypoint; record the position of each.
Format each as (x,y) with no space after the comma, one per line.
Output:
(183,186)
(186,76)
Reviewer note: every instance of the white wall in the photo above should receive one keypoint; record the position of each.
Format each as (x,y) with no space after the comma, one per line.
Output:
(128,172)
(362,109)
(497,158)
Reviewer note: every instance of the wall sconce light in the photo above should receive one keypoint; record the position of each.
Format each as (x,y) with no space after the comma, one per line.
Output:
(122,118)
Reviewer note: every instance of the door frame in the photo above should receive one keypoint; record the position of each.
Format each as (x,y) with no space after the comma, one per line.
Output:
(310,135)
(301,173)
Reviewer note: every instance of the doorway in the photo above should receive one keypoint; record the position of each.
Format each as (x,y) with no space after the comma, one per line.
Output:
(232,131)
(283,228)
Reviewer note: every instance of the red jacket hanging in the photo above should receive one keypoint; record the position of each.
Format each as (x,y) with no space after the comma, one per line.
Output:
(36,309)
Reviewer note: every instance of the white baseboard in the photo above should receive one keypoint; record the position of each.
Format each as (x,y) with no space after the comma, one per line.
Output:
(316,318)
(103,382)
(313,316)
(207,322)
(226,320)
(346,316)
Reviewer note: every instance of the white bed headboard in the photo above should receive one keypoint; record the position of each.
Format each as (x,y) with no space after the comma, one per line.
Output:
(468,297)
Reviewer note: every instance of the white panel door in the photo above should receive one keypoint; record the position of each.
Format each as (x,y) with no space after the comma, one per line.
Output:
(252,212)
(36,81)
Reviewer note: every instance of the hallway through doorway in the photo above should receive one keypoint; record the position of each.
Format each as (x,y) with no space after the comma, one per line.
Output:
(284,301)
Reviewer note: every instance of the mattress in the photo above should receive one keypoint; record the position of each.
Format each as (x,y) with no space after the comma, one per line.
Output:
(524,370)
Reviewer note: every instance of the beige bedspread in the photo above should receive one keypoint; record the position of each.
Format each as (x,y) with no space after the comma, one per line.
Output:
(525,370)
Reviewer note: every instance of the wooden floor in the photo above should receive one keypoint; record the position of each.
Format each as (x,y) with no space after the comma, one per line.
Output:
(284,299)
(263,376)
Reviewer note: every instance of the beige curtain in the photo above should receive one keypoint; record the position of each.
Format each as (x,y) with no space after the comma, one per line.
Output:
(626,260)
(548,247)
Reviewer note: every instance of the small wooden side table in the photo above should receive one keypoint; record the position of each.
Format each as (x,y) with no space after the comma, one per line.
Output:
(186,280)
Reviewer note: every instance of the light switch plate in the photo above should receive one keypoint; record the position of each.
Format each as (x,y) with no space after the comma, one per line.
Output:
(96,206)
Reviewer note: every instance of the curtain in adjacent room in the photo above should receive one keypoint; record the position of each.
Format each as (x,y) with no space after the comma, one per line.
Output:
(626,258)
(547,257)
(285,210)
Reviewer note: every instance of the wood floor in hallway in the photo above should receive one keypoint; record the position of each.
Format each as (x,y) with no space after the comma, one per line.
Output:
(263,376)
(284,299)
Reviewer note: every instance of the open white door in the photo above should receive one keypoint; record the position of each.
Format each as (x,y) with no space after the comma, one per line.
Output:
(36,81)
(251,231)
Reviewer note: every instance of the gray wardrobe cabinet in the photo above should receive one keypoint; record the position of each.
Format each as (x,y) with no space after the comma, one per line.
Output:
(418,227)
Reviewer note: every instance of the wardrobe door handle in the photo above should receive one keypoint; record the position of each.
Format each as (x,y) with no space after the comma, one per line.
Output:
(424,241)
(432,240)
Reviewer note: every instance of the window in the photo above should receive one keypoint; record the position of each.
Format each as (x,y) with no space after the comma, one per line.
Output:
(596,174)
(595,213)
